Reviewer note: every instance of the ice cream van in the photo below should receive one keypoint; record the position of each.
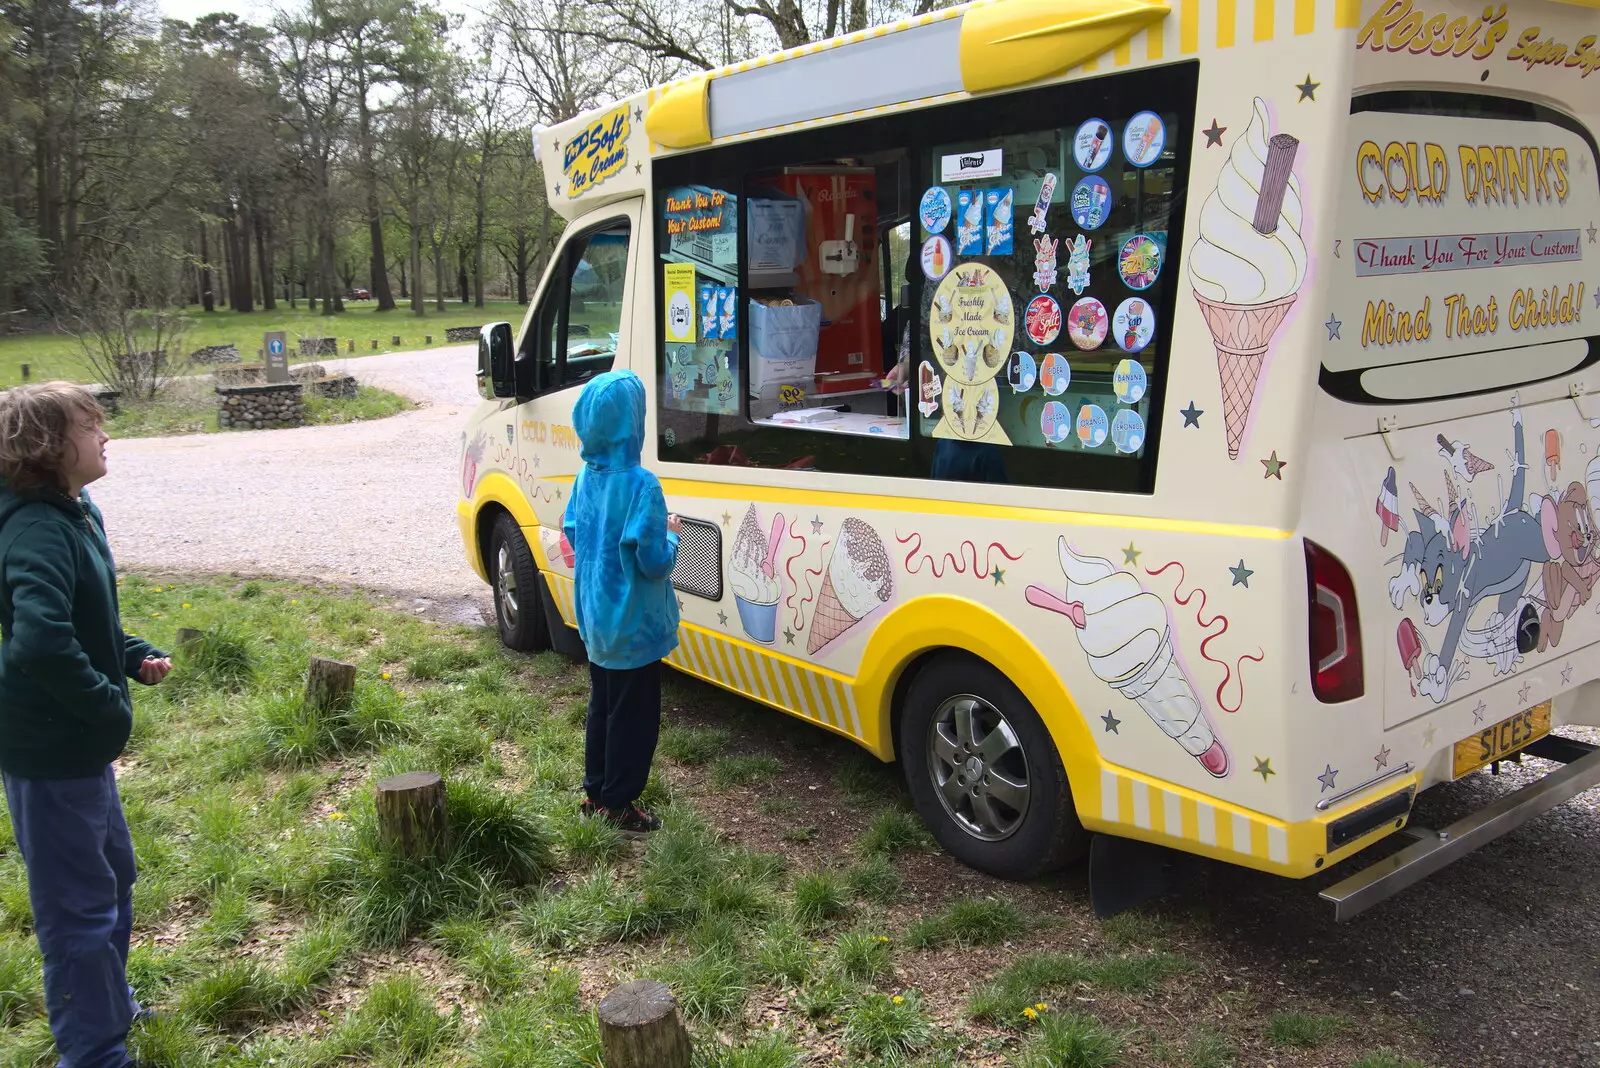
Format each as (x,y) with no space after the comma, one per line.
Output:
(1151,425)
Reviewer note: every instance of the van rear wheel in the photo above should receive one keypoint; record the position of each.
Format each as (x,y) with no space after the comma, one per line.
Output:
(518,603)
(984,772)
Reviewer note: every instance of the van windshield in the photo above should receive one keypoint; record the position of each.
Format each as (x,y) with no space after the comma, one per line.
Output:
(1465,224)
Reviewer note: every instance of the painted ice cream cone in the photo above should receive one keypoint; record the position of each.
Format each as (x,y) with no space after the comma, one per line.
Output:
(859,579)
(1249,263)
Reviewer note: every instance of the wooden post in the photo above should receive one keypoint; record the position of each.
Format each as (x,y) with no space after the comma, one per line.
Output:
(374,344)
(412,816)
(640,1028)
(427,339)
(188,639)
(329,684)
(395,340)
(27,372)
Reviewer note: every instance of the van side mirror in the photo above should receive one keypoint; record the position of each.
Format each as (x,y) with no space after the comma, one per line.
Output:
(497,375)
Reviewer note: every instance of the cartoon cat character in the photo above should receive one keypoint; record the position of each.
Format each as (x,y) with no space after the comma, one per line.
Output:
(1570,574)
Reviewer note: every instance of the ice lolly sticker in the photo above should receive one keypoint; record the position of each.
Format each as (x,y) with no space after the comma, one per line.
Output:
(936,257)
(859,579)
(757,584)
(1044,263)
(1055,422)
(1043,320)
(1041,207)
(1124,631)
(1134,324)
(1092,145)
(999,220)
(1128,381)
(1139,262)
(1092,426)
(1144,138)
(728,318)
(1078,265)
(1055,374)
(1091,199)
(1249,262)
(928,389)
(1021,372)
(935,210)
(969,224)
(709,304)
(1127,431)
(1087,324)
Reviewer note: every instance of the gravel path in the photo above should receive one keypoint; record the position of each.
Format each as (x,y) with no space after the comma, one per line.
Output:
(369,504)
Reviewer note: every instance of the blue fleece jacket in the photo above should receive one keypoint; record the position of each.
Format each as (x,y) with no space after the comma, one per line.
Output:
(617,524)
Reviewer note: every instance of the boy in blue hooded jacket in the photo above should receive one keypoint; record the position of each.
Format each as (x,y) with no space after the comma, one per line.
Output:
(625,545)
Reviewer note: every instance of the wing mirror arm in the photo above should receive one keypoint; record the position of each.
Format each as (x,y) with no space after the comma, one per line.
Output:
(497,371)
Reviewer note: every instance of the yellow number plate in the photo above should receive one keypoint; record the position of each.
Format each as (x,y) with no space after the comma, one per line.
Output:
(1502,739)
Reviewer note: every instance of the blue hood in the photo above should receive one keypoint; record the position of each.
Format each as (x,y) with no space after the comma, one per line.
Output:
(609,419)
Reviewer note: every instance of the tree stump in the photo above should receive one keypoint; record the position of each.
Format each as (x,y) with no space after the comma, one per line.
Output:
(329,684)
(640,1027)
(189,640)
(413,818)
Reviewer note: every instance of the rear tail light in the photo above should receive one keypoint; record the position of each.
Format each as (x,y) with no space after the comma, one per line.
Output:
(1335,630)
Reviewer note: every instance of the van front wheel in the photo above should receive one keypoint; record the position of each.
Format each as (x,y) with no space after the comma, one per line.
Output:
(517,601)
(984,773)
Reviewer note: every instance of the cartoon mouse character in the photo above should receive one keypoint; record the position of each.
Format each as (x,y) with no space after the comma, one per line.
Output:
(1570,574)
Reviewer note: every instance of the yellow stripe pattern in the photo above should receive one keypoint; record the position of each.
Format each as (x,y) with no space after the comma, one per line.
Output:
(823,697)
(1145,808)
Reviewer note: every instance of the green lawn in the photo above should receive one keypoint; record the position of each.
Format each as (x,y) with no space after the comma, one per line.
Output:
(273,928)
(195,412)
(54,355)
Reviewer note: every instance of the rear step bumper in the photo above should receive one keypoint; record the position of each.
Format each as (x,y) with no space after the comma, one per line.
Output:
(1435,849)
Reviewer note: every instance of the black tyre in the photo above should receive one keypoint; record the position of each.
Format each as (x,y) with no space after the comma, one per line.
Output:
(518,602)
(984,773)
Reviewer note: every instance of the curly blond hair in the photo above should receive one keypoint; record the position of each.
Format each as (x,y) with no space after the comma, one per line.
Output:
(35,422)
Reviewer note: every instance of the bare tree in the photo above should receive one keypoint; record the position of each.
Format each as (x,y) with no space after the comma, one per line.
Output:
(125,312)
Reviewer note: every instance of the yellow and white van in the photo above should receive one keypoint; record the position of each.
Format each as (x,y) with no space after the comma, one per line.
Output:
(1179,422)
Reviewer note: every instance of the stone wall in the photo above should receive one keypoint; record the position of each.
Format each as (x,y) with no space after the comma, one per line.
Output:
(461,333)
(318,346)
(306,372)
(261,407)
(336,387)
(214,354)
(239,374)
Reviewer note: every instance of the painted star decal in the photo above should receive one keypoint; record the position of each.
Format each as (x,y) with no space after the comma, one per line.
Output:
(1522,694)
(1274,466)
(1597,296)
(816,525)
(1382,759)
(1308,89)
(1477,713)
(559,492)
(536,461)
(558,189)
(1263,768)
(1191,415)
(722,618)
(638,114)
(638,168)
(1333,326)
(1241,575)
(680,604)
(1329,773)
(788,635)
(1566,675)
(1336,245)
(999,576)
(1112,723)
(1214,134)
(1428,734)
(727,517)
(1130,555)
(1592,232)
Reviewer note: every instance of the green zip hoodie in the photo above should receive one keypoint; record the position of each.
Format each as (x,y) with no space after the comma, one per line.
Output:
(65,710)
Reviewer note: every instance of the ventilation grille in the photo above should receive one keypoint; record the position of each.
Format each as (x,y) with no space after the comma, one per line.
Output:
(699,567)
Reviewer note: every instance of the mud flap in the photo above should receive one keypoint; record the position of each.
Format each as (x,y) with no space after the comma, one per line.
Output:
(1125,873)
(563,639)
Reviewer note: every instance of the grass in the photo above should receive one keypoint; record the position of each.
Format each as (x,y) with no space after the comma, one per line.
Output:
(1384,1058)
(54,355)
(275,927)
(1302,1030)
(194,411)
(743,769)
(1071,1040)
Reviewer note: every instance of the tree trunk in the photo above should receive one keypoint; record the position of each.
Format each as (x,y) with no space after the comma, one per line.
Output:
(208,299)
(369,173)
(247,283)
(416,255)
(477,244)
(439,288)
(330,685)
(264,255)
(403,294)
(413,818)
(640,1028)
(461,273)
(521,267)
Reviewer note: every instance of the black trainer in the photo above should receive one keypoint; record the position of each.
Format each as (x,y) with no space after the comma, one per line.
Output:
(633,820)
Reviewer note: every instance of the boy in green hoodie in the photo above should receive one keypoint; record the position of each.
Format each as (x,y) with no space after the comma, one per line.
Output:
(65,714)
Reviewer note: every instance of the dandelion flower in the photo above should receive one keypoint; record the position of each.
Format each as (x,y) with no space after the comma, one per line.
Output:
(187,605)
(385,674)
(898,999)
(1041,1006)
(1030,1013)
(336,815)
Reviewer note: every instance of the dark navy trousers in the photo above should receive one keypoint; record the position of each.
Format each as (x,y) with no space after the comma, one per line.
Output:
(75,844)
(620,735)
